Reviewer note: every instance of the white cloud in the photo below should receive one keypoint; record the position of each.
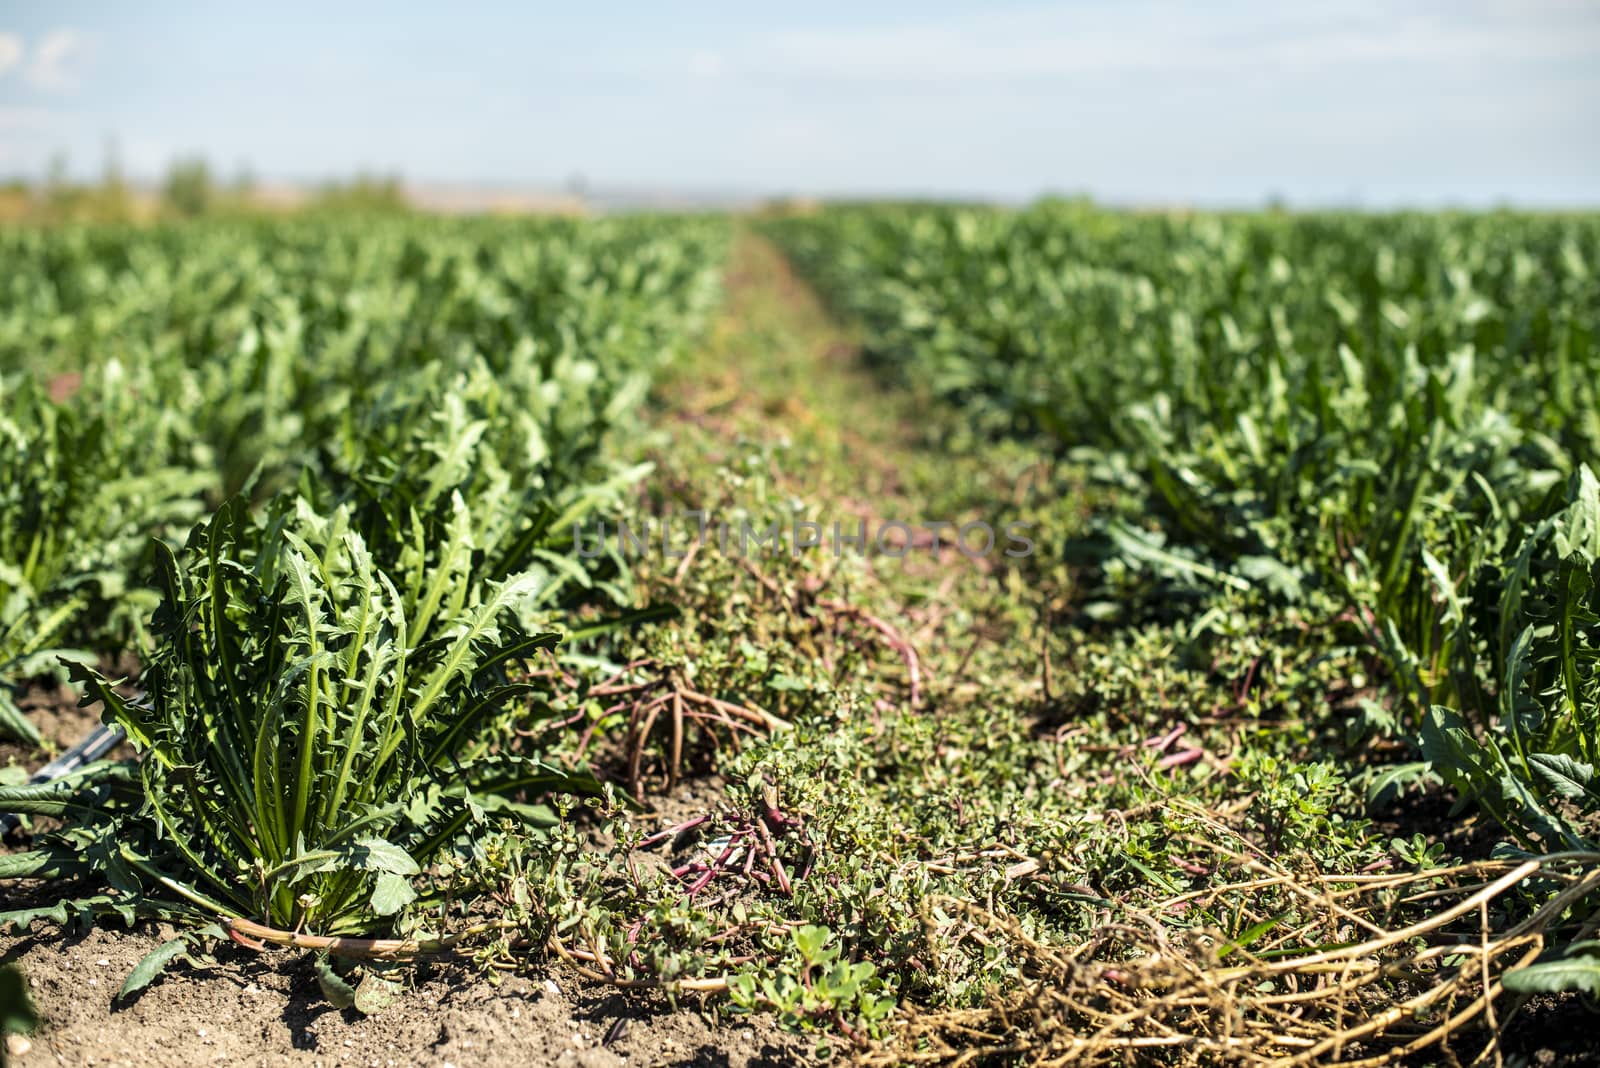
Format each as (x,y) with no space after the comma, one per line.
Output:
(10,51)
(56,60)
(705,64)
(13,120)
(1164,38)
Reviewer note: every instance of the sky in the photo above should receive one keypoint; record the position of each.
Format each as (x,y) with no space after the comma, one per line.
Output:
(1236,102)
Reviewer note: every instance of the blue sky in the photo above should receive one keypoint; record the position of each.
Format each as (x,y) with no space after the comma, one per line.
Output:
(1469,102)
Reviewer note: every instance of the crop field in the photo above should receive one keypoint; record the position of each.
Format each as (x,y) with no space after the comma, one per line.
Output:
(899,634)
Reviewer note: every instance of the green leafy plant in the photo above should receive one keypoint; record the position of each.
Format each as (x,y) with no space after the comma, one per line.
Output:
(1295,805)
(305,752)
(83,486)
(1532,763)
(820,986)
(415,412)
(1575,966)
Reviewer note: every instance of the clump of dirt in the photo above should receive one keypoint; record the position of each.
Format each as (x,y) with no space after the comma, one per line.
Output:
(267,1010)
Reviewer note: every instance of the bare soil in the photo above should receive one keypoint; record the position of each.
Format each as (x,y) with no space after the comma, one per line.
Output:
(252,1009)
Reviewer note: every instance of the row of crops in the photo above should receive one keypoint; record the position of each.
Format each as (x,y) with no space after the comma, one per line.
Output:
(1386,426)
(321,479)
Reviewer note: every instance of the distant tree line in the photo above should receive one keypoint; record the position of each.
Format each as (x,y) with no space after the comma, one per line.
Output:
(189,190)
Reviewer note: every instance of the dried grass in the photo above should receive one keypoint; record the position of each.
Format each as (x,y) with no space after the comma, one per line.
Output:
(1355,984)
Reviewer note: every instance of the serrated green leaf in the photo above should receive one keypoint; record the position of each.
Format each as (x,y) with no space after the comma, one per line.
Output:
(1578,971)
(1565,776)
(391,893)
(150,967)
(340,994)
